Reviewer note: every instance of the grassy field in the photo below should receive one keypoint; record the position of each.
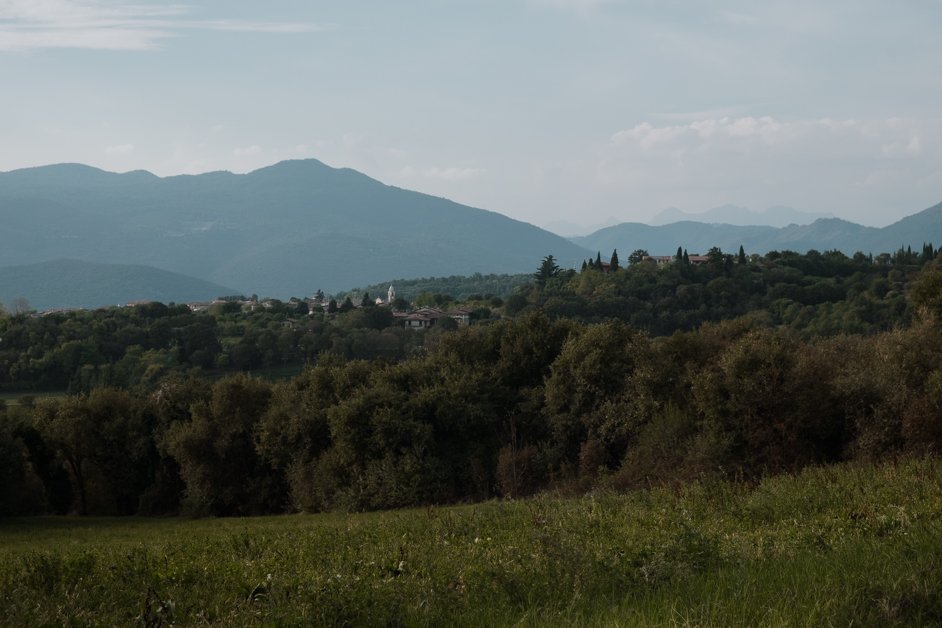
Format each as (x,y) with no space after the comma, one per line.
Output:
(836,546)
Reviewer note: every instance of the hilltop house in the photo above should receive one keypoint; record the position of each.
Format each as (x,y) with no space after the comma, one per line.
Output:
(426,317)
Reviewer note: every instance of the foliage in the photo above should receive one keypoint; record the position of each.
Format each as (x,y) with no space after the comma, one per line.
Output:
(563,392)
(223,473)
(457,287)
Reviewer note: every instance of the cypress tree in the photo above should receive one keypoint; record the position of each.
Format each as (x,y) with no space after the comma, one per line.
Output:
(742,255)
(614,261)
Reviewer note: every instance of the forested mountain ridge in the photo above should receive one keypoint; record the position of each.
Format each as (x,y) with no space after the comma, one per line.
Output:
(288,229)
(823,234)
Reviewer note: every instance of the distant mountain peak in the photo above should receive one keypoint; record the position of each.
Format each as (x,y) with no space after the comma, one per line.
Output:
(294,165)
(286,229)
(729,214)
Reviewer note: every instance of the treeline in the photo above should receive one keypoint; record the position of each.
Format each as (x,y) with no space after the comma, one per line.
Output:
(135,347)
(508,408)
(428,290)
(814,294)
(500,410)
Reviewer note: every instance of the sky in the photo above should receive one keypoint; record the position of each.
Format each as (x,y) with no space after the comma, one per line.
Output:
(562,113)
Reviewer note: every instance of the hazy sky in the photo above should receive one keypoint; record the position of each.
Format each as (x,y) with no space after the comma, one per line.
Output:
(544,110)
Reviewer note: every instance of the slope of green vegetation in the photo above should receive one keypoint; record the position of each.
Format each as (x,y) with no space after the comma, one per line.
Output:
(77,284)
(844,545)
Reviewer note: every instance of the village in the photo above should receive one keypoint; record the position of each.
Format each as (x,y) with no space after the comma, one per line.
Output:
(403,314)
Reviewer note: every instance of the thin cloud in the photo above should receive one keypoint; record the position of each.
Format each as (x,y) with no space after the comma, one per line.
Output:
(817,164)
(891,137)
(247,151)
(234,26)
(451,174)
(110,25)
(120,149)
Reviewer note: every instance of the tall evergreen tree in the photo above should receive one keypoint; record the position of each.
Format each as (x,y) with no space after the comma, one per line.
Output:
(547,270)
(742,255)
(613,265)
(680,254)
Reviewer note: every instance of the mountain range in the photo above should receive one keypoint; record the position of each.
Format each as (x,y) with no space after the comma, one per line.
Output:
(822,234)
(778,216)
(299,226)
(285,230)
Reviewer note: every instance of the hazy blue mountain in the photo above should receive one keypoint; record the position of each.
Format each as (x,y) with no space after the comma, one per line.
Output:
(570,229)
(288,229)
(823,234)
(778,216)
(74,284)
(664,240)
(926,226)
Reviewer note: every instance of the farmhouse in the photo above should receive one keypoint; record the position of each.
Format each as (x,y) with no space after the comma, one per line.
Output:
(664,260)
(426,317)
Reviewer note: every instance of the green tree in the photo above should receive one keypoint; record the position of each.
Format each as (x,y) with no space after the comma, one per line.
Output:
(637,256)
(548,269)
(105,440)
(15,498)
(223,473)
(613,264)
(926,292)
(771,403)
(592,368)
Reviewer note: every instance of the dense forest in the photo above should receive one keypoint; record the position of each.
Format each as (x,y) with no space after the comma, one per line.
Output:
(627,376)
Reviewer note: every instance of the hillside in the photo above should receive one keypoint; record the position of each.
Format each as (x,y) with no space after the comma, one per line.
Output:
(288,229)
(742,216)
(916,229)
(75,284)
(823,234)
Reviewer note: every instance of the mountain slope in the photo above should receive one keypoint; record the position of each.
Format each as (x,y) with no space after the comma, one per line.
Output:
(71,283)
(287,229)
(823,234)
(778,216)
(926,226)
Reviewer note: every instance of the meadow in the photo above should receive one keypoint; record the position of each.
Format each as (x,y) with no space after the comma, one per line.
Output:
(839,545)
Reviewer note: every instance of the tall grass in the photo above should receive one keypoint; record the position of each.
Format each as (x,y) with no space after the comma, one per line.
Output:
(839,545)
